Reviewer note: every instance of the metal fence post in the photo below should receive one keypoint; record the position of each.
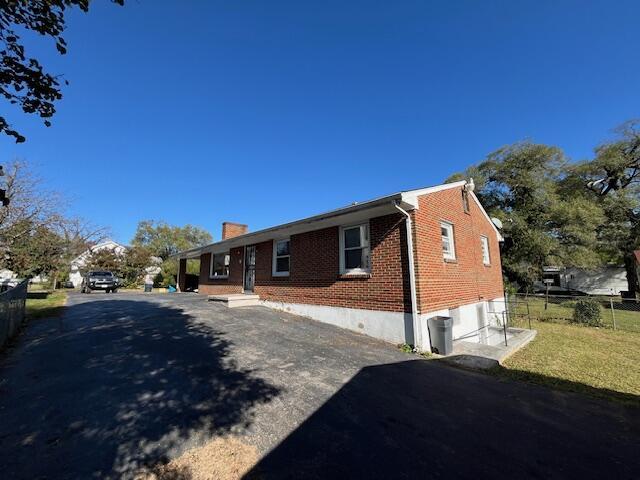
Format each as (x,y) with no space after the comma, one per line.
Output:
(504,327)
(546,298)
(613,313)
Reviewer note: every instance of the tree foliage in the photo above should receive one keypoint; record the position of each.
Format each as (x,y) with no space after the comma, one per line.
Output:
(36,236)
(23,80)
(612,179)
(521,184)
(560,213)
(130,265)
(164,240)
(39,252)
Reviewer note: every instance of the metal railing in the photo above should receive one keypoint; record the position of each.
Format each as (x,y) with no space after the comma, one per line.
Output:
(12,311)
(615,312)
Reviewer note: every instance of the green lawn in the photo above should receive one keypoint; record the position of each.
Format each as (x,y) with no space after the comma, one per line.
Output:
(595,361)
(42,304)
(627,316)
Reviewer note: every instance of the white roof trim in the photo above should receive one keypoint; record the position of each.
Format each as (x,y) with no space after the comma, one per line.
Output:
(352,213)
(486,215)
(411,196)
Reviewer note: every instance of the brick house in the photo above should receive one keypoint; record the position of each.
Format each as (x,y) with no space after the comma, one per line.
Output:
(350,267)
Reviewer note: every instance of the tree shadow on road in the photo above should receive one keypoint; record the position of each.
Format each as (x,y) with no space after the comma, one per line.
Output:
(125,384)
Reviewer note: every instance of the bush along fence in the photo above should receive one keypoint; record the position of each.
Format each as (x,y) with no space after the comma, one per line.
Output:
(594,311)
(12,311)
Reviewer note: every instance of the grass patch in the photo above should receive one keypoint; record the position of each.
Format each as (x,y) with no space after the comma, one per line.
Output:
(627,315)
(596,361)
(45,304)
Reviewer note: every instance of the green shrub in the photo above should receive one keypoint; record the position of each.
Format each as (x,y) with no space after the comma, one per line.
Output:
(587,312)
(406,348)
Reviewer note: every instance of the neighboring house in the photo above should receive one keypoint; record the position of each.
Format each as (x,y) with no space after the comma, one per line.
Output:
(6,274)
(350,267)
(598,281)
(78,263)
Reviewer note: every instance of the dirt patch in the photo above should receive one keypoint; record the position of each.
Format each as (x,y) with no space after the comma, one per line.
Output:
(225,458)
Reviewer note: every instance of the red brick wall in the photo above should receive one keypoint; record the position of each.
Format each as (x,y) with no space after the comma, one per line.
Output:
(233,284)
(443,284)
(315,277)
(230,229)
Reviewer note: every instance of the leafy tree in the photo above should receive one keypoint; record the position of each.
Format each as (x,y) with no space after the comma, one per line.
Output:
(39,252)
(136,260)
(521,184)
(164,240)
(23,80)
(105,259)
(169,271)
(36,237)
(30,204)
(130,266)
(612,179)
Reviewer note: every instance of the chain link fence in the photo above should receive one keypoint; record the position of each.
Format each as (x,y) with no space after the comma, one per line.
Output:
(615,313)
(12,311)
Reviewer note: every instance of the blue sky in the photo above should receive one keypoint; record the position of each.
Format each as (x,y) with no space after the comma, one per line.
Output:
(263,112)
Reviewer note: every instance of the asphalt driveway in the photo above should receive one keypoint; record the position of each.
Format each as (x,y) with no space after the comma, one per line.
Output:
(126,380)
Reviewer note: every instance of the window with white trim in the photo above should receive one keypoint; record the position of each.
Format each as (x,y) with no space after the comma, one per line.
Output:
(281,258)
(219,267)
(484,244)
(448,242)
(354,249)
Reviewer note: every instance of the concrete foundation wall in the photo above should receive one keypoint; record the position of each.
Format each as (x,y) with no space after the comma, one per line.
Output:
(469,321)
(394,327)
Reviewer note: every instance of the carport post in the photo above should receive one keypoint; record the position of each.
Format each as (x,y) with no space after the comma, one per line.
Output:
(182,274)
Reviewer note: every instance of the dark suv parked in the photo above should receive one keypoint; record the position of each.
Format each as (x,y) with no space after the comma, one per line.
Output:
(99,280)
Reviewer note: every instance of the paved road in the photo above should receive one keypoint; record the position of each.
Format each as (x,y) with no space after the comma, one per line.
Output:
(123,380)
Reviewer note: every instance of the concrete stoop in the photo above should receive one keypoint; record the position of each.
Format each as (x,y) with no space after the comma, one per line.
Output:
(484,357)
(236,299)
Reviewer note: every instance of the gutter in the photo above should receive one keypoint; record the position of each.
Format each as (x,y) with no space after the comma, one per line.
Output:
(246,238)
(417,330)
(408,198)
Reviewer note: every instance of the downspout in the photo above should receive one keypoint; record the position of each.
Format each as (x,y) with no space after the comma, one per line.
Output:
(417,331)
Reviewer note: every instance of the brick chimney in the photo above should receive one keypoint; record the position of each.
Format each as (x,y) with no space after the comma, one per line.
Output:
(230,229)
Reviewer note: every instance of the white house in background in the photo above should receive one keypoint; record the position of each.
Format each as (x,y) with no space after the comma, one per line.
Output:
(599,281)
(6,274)
(78,263)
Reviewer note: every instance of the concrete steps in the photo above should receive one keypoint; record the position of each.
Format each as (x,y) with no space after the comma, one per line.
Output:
(236,299)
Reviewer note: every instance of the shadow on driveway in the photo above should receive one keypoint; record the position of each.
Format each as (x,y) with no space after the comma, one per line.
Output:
(116,385)
(421,419)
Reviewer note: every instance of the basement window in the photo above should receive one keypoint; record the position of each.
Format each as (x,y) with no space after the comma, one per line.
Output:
(219,267)
(281,258)
(448,243)
(484,244)
(354,249)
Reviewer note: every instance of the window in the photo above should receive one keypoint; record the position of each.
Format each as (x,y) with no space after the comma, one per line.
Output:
(281,258)
(484,243)
(448,245)
(354,249)
(219,265)
(552,279)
